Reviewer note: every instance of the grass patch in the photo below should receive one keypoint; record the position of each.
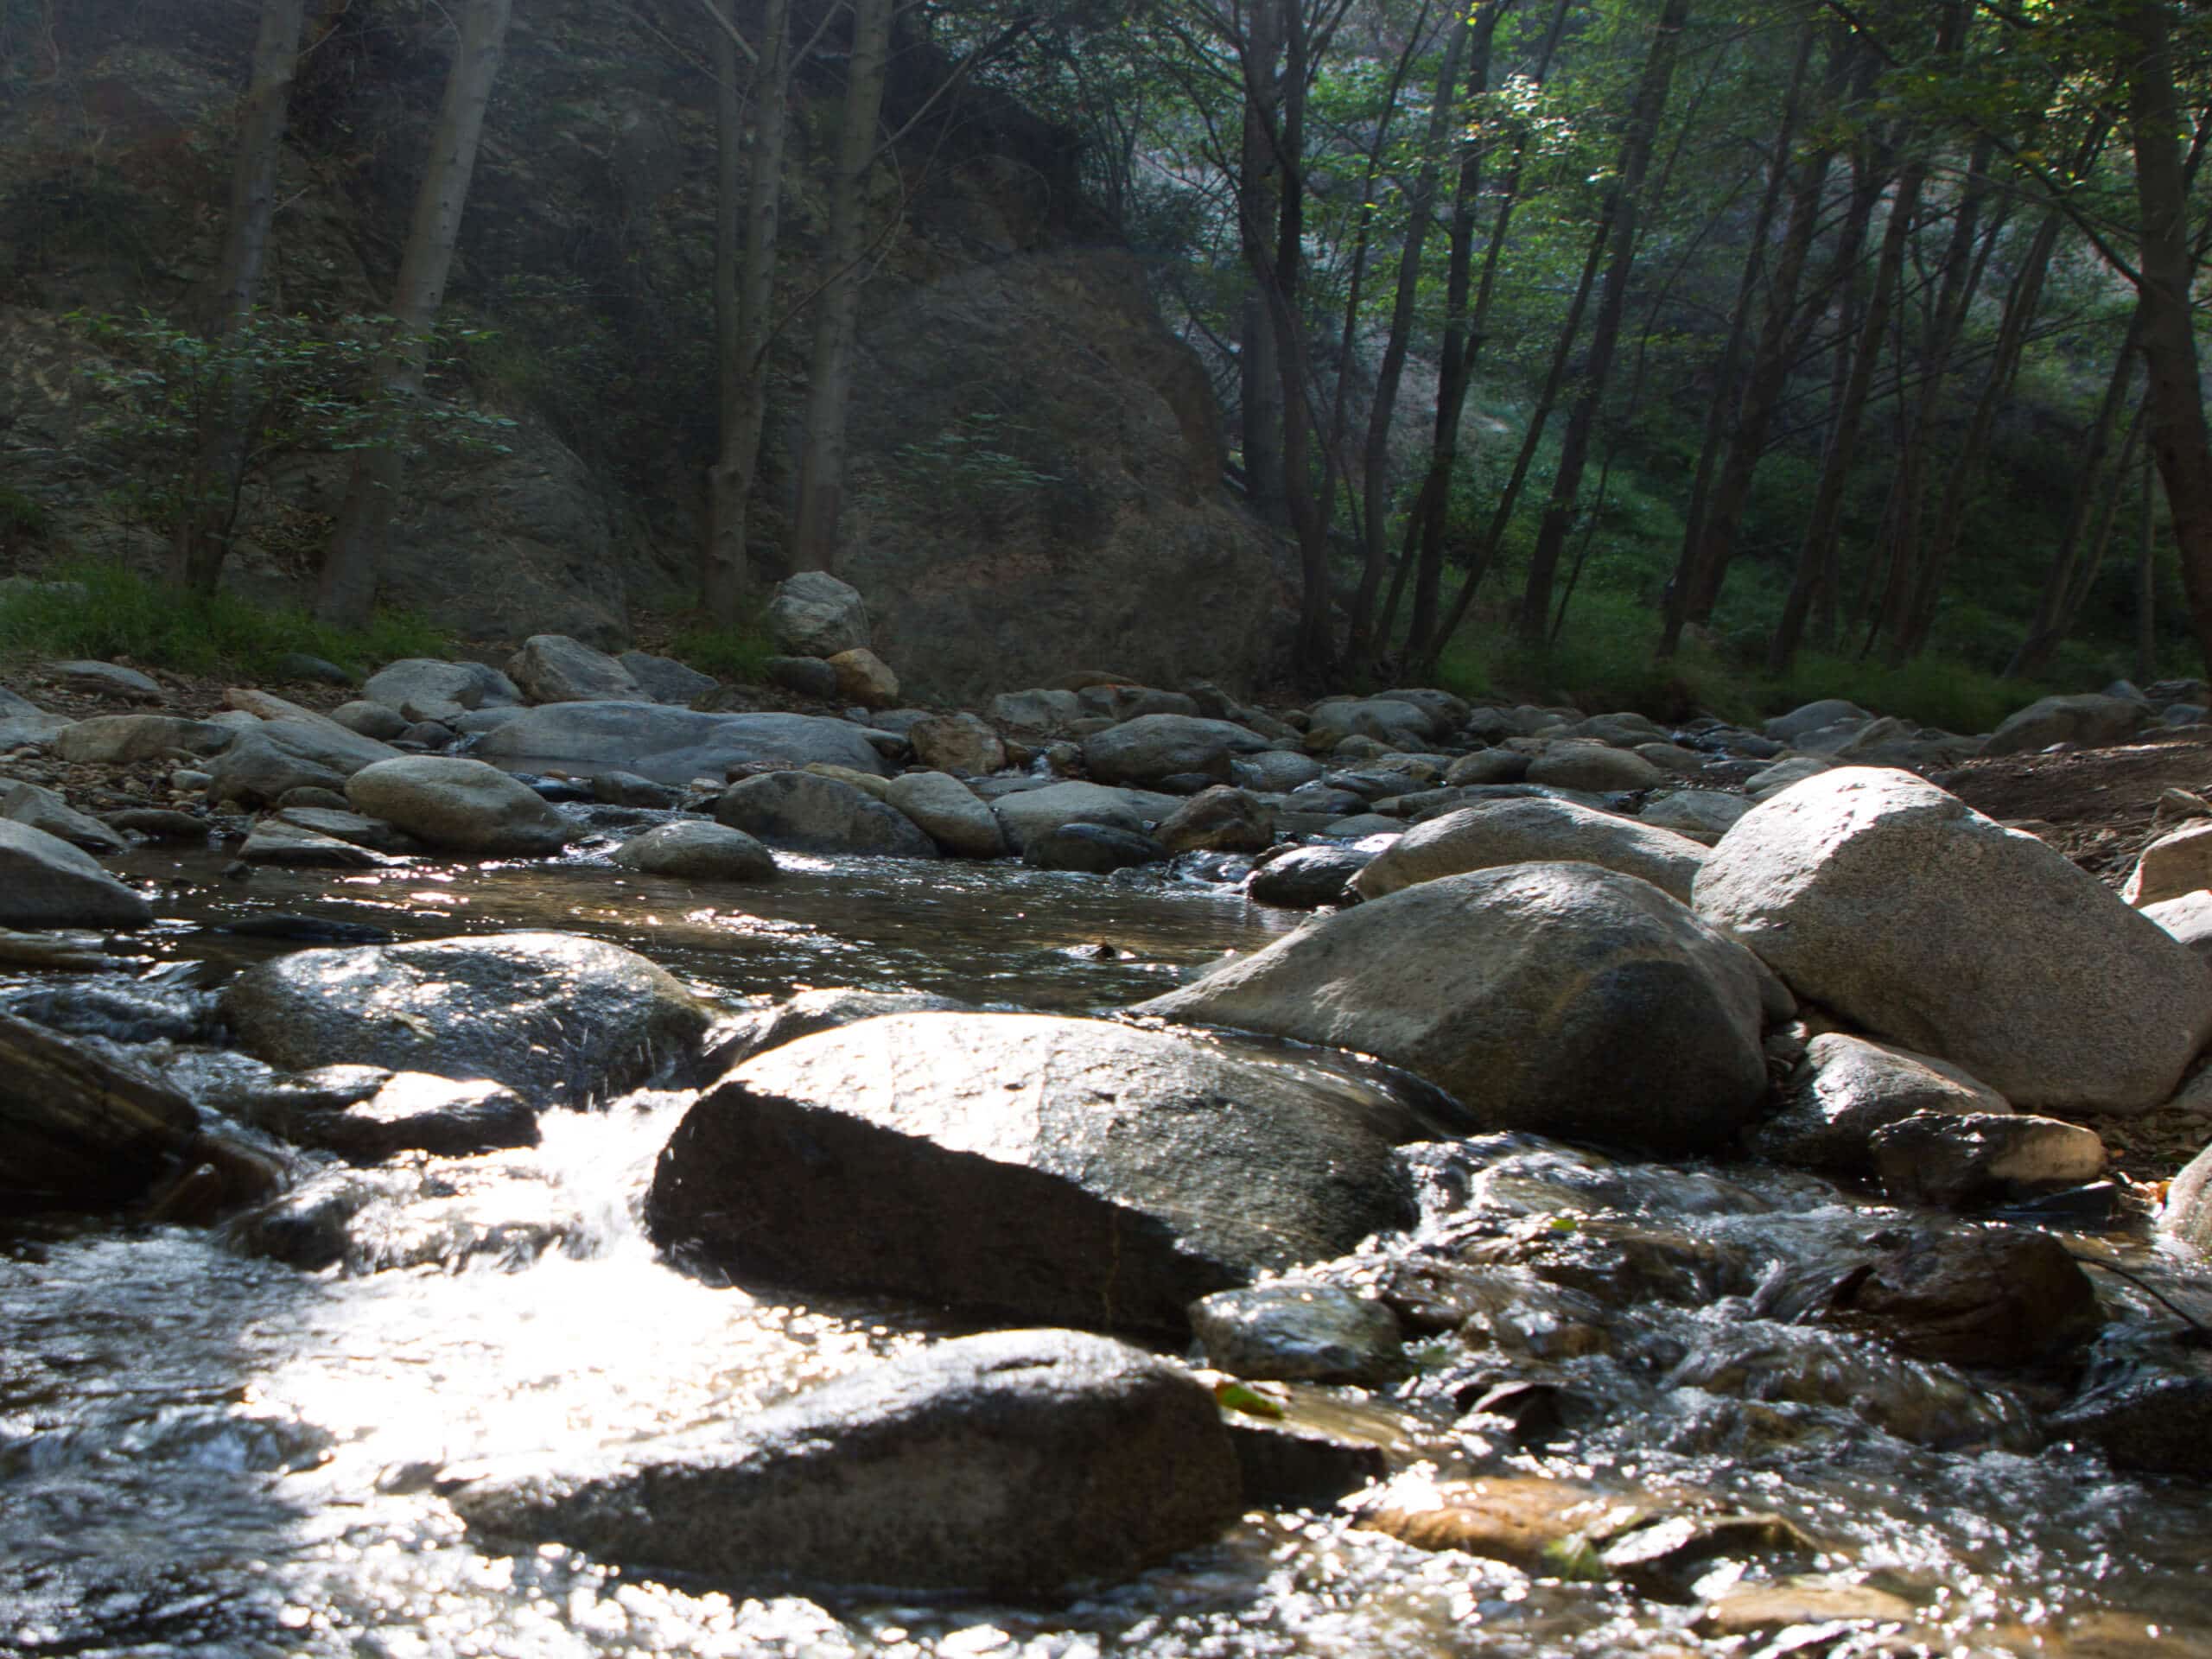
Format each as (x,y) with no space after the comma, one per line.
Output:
(22,518)
(739,653)
(105,610)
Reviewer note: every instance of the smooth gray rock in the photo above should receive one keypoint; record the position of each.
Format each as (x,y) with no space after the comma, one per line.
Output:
(814,615)
(459,805)
(949,813)
(23,722)
(673,745)
(46,882)
(666,680)
(559,1019)
(628,789)
(1383,720)
(472,685)
(1040,709)
(118,740)
(1218,820)
(1293,1331)
(809,1012)
(1487,767)
(1703,815)
(960,743)
(806,812)
(1958,1158)
(2090,722)
(1561,998)
(1153,746)
(81,1128)
(1847,1089)
(1012,1463)
(1275,770)
(273,757)
(810,676)
(693,850)
(1574,764)
(1037,812)
(369,719)
(1497,833)
(553,668)
(1810,717)
(43,809)
(1306,878)
(1929,925)
(372,833)
(1786,774)
(1091,848)
(274,841)
(1073,1170)
(108,679)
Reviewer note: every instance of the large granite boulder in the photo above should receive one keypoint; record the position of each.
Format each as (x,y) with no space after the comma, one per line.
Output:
(458,806)
(692,849)
(1022,1166)
(1932,927)
(949,813)
(2091,722)
(806,812)
(962,743)
(673,745)
(1562,998)
(1578,764)
(1153,746)
(1539,830)
(559,1019)
(553,668)
(1219,820)
(814,615)
(1010,1464)
(1384,720)
(46,882)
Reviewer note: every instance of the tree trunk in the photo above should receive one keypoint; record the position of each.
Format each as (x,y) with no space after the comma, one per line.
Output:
(349,567)
(1575,451)
(1259,203)
(745,275)
(830,382)
(207,514)
(2146,582)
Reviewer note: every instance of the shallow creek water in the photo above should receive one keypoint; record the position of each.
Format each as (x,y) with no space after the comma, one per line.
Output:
(205,1453)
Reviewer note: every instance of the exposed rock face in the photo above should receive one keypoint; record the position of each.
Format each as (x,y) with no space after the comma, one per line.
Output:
(1531,831)
(1046,1168)
(557,1017)
(1561,998)
(809,813)
(460,805)
(1931,926)
(553,668)
(1011,1463)
(46,882)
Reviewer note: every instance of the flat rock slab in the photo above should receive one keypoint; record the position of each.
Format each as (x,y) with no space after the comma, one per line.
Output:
(672,745)
(1076,1171)
(80,1128)
(561,1020)
(458,806)
(46,882)
(1525,831)
(1015,1464)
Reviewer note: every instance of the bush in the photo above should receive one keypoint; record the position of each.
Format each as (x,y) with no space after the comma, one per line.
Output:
(738,654)
(105,610)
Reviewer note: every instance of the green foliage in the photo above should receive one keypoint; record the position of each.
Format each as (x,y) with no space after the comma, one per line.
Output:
(738,654)
(105,610)
(22,518)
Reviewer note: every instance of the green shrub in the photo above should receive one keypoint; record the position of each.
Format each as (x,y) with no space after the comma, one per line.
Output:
(105,611)
(22,518)
(739,654)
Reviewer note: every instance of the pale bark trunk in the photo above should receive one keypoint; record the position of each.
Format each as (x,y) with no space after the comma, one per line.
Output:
(830,386)
(209,511)
(349,569)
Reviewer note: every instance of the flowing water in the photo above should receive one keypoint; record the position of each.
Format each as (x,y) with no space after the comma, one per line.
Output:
(202,1452)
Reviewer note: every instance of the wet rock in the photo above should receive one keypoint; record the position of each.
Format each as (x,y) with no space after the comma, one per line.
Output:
(160,824)
(560,1019)
(1561,998)
(2157,1422)
(949,813)
(447,1214)
(472,685)
(814,615)
(1046,1168)
(1037,812)
(673,744)
(1957,1159)
(1990,1296)
(121,1013)
(809,813)
(1487,767)
(1759,1609)
(693,850)
(46,882)
(810,676)
(2177,863)
(1291,1330)
(666,680)
(809,1012)
(118,740)
(80,953)
(1218,820)
(1011,1464)
(960,743)
(1497,833)
(242,1087)
(1094,848)
(1592,766)
(1933,927)
(1153,746)
(1539,1525)
(1847,1089)
(459,805)
(865,678)
(107,680)
(369,720)
(81,1127)
(1288,1465)
(372,833)
(1307,877)
(414,1112)
(2188,1212)
(1274,771)
(41,809)
(273,840)
(270,760)
(628,789)
(2089,721)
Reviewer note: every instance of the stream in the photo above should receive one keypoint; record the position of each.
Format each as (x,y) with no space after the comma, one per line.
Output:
(204,1453)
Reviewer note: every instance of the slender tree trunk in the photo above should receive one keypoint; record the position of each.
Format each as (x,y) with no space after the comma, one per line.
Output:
(1575,450)
(829,385)
(349,567)
(2146,581)
(209,512)
(2179,439)
(745,275)
(1259,203)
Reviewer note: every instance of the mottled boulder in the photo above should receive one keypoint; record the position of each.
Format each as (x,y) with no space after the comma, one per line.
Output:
(814,615)
(1037,812)
(865,678)
(1274,771)
(962,743)
(1931,926)
(1218,820)
(459,805)
(1153,746)
(808,813)
(2090,722)
(1561,998)
(1496,833)
(46,882)
(694,850)
(1845,1089)
(949,813)
(553,668)
(472,685)
(1010,1464)
(558,1018)
(2189,919)
(1382,720)
(1592,766)
(1073,1170)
